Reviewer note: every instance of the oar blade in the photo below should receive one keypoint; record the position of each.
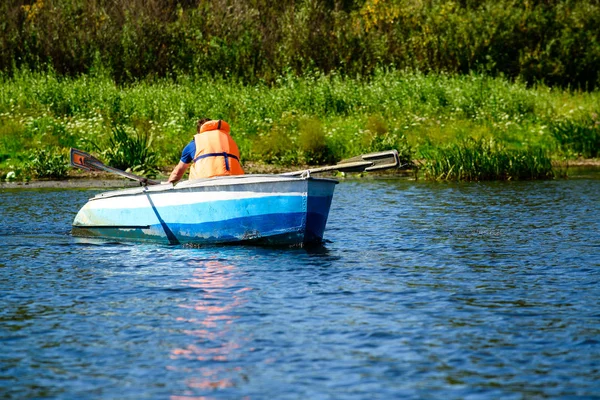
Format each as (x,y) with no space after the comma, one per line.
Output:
(376,161)
(366,162)
(83,160)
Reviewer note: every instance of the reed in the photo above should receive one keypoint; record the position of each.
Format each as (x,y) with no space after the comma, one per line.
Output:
(484,160)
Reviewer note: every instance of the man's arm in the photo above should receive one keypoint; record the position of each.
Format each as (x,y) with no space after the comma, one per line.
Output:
(187,157)
(178,172)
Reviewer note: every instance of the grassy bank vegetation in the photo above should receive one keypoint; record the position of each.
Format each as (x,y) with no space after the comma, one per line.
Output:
(316,118)
(465,87)
(301,82)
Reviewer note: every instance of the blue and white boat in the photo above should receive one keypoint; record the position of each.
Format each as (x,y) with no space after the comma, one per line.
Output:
(260,209)
(288,209)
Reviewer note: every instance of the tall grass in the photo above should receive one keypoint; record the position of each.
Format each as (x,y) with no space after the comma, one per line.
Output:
(312,119)
(484,160)
(130,151)
(580,138)
(45,163)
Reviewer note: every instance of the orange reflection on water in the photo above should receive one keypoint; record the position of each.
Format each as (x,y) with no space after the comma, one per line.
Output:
(214,340)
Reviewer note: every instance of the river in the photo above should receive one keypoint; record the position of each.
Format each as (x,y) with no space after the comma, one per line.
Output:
(421,290)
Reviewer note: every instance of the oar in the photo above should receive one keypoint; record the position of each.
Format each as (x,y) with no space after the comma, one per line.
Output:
(366,162)
(83,160)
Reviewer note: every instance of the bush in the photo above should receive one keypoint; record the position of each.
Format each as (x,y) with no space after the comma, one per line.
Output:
(536,41)
(275,147)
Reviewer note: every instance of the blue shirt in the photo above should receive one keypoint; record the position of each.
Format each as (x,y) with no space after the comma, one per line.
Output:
(188,153)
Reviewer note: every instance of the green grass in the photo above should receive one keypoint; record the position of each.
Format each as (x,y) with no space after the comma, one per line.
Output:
(45,163)
(130,151)
(484,160)
(313,119)
(580,138)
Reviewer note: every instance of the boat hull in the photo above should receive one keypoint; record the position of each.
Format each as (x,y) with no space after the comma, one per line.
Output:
(258,209)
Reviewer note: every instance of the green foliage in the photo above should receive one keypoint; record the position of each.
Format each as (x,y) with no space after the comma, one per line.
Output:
(11,134)
(131,151)
(317,118)
(578,138)
(45,163)
(276,147)
(378,138)
(485,159)
(312,143)
(555,42)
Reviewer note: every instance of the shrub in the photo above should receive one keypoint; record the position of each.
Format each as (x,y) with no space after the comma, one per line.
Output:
(537,41)
(277,146)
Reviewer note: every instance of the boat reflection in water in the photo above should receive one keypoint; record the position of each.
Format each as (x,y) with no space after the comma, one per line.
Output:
(211,320)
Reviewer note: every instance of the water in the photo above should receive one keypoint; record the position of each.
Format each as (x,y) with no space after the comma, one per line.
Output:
(422,290)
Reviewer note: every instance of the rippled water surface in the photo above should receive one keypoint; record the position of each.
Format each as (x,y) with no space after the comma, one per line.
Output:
(422,290)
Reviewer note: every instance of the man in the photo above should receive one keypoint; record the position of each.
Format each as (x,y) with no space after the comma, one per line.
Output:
(212,152)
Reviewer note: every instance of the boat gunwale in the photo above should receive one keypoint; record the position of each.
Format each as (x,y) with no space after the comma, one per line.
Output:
(215,182)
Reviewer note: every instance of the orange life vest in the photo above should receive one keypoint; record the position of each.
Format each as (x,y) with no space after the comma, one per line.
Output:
(216,152)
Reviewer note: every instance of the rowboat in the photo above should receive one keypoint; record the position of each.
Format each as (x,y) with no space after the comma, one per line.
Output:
(258,209)
(288,209)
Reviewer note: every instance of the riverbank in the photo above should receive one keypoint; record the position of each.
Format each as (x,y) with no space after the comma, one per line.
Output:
(86,179)
(78,179)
